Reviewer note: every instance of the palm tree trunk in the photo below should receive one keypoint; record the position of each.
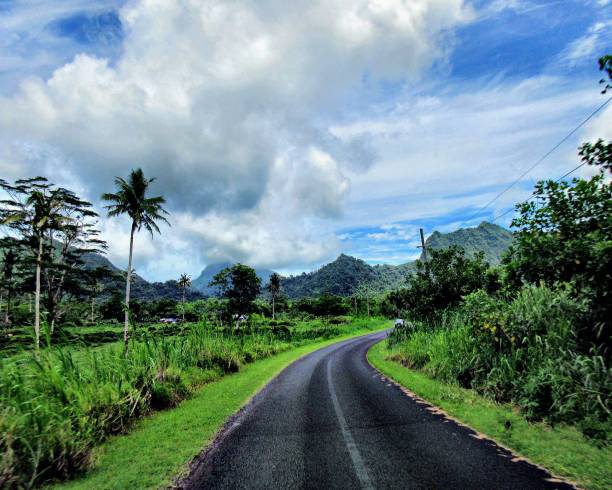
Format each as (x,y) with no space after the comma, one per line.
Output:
(37,294)
(92,309)
(7,317)
(183,305)
(128,280)
(273,312)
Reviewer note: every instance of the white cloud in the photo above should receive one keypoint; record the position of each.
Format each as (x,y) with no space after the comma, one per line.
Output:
(589,46)
(449,155)
(226,103)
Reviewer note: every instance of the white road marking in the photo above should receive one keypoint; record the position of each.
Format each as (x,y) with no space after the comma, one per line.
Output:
(358,464)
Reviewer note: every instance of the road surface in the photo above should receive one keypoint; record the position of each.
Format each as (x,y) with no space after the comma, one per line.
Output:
(330,420)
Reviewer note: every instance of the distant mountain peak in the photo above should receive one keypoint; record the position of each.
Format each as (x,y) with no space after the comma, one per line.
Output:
(487,237)
(202,282)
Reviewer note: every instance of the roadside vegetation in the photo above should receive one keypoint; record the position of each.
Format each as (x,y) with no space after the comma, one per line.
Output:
(533,332)
(562,449)
(58,404)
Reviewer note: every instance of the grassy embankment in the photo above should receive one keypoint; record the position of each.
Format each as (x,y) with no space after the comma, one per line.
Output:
(56,410)
(562,449)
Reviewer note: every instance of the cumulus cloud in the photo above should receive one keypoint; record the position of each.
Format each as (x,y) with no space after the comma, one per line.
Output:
(228,104)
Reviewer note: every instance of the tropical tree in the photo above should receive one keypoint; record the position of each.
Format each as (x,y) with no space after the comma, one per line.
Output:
(32,209)
(131,199)
(65,248)
(240,285)
(274,287)
(184,283)
(58,228)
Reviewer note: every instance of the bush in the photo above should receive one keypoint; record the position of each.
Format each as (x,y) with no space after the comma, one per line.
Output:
(442,282)
(522,351)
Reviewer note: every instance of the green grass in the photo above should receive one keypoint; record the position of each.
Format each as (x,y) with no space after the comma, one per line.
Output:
(562,449)
(158,447)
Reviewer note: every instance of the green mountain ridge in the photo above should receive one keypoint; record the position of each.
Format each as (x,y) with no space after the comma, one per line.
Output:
(141,289)
(342,276)
(489,238)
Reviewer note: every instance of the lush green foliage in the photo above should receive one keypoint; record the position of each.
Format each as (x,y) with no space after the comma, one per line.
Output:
(201,284)
(564,235)
(441,282)
(523,351)
(240,286)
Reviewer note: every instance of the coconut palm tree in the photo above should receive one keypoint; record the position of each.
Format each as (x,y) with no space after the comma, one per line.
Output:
(33,209)
(184,282)
(131,199)
(274,286)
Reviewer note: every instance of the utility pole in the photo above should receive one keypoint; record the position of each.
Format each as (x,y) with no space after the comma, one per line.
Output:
(422,245)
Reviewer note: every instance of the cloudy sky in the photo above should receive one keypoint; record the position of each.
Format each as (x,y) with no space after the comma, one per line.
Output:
(283,133)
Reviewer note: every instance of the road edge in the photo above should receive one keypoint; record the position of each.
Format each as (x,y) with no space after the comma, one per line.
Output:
(480,435)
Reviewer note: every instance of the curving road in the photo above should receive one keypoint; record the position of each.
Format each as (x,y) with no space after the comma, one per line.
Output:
(331,421)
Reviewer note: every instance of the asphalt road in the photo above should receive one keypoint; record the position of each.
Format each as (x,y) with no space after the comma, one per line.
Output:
(331,421)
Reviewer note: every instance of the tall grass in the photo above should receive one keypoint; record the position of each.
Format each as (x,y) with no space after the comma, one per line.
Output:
(524,351)
(55,407)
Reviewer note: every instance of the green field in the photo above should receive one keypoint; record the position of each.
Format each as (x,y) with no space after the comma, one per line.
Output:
(562,449)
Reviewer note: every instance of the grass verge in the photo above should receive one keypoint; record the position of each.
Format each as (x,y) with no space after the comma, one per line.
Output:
(158,447)
(562,449)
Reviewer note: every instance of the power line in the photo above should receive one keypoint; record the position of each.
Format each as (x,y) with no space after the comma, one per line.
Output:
(533,195)
(546,155)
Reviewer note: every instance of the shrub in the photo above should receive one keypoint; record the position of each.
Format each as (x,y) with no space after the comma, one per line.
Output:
(441,283)
(522,351)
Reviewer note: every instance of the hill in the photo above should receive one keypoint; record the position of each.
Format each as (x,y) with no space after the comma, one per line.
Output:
(201,283)
(141,290)
(341,277)
(489,238)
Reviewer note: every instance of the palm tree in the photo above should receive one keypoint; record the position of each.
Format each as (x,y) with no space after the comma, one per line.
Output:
(131,199)
(274,286)
(184,282)
(38,213)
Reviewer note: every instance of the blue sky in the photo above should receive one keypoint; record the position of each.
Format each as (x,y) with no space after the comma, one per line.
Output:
(283,134)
